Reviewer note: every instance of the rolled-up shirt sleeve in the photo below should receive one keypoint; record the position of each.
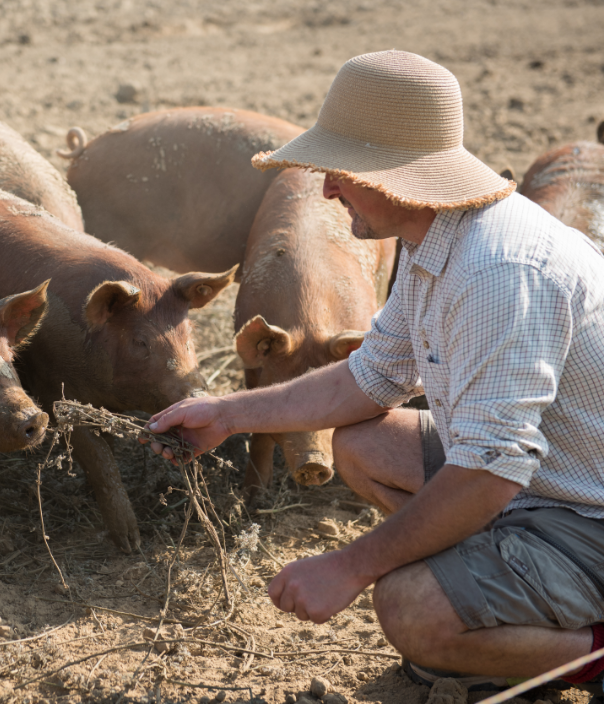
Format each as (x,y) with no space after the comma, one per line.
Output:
(508,332)
(384,366)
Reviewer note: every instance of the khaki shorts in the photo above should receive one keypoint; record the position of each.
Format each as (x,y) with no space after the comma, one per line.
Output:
(512,573)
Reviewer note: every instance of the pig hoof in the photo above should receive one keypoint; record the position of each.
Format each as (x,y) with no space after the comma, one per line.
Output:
(126,537)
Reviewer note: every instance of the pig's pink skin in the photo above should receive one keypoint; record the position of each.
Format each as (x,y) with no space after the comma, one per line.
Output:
(27,174)
(310,279)
(569,183)
(176,187)
(128,350)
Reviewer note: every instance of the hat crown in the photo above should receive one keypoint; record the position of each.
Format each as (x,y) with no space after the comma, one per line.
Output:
(396,99)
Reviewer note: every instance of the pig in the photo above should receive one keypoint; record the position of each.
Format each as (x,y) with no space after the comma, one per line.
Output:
(27,174)
(308,292)
(22,423)
(569,183)
(176,187)
(116,335)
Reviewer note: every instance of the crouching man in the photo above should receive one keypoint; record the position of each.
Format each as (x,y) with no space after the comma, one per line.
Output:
(498,314)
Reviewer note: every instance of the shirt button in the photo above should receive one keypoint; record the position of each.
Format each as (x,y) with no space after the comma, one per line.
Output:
(426,344)
(437,402)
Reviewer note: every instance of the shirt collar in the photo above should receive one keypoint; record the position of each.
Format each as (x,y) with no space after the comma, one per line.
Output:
(433,252)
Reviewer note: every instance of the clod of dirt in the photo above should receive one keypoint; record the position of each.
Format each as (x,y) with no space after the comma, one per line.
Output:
(6,632)
(328,527)
(319,687)
(170,633)
(137,571)
(221,696)
(334,698)
(362,676)
(290,699)
(448,691)
(127,93)
(381,642)
(305,698)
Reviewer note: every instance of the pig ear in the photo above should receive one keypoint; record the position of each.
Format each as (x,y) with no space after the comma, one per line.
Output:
(21,314)
(107,299)
(257,339)
(342,344)
(200,289)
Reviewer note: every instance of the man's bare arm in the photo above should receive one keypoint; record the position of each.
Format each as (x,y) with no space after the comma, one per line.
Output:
(325,398)
(455,504)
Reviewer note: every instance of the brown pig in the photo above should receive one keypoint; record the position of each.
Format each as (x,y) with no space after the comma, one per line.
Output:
(308,291)
(22,423)
(569,183)
(116,335)
(27,174)
(176,187)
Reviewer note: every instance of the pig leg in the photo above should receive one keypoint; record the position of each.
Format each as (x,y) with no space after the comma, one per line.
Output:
(259,469)
(93,454)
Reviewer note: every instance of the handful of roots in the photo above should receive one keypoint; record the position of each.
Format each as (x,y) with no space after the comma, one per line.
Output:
(70,414)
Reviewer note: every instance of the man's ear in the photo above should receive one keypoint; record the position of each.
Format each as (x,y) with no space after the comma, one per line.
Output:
(199,289)
(107,299)
(345,342)
(257,339)
(22,314)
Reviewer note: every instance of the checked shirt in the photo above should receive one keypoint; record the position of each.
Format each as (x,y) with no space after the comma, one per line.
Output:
(499,316)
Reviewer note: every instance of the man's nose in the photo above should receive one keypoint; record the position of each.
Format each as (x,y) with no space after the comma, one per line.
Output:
(331,187)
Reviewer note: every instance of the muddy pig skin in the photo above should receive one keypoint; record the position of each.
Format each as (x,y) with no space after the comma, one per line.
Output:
(308,291)
(116,334)
(569,183)
(27,174)
(176,187)
(22,423)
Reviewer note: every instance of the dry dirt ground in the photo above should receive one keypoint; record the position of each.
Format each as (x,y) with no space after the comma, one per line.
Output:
(532,75)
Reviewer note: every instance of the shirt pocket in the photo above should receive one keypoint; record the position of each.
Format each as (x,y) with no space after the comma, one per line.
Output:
(568,591)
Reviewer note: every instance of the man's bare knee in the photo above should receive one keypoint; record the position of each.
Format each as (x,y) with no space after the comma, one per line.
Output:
(415,614)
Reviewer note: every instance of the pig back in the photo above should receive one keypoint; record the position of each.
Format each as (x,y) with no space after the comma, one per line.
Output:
(177,187)
(28,175)
(569,183)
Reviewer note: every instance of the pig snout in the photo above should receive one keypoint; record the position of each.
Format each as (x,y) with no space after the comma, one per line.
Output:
(32,430)
(309,456)
(192,385)
(21,429)
(313,468)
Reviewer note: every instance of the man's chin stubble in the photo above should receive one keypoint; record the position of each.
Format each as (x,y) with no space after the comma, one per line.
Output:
(361,230)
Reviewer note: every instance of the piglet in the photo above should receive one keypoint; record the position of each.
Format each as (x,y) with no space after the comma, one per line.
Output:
(22,423)
(116,335)
(308,291)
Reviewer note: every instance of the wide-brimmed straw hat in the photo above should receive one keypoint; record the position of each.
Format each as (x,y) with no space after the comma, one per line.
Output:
(393,121)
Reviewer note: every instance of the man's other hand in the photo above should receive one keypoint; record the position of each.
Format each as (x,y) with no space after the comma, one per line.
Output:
(197,420)
(318,587)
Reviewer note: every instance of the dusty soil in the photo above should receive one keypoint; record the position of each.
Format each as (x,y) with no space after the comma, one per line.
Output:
(532,75)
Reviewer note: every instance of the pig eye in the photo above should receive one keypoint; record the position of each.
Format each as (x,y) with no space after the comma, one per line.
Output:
(141,345)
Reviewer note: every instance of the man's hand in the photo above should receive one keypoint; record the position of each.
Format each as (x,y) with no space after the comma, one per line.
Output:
(318,587)
(197,419)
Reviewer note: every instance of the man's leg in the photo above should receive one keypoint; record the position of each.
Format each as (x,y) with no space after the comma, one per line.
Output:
(382,459)
(420,622)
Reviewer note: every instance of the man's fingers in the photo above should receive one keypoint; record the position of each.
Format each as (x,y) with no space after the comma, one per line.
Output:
(301,613)
(275,590)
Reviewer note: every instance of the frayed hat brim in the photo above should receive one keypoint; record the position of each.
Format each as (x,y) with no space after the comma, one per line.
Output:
(452,179)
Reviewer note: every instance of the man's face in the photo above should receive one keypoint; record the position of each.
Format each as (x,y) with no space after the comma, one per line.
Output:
(374,216)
